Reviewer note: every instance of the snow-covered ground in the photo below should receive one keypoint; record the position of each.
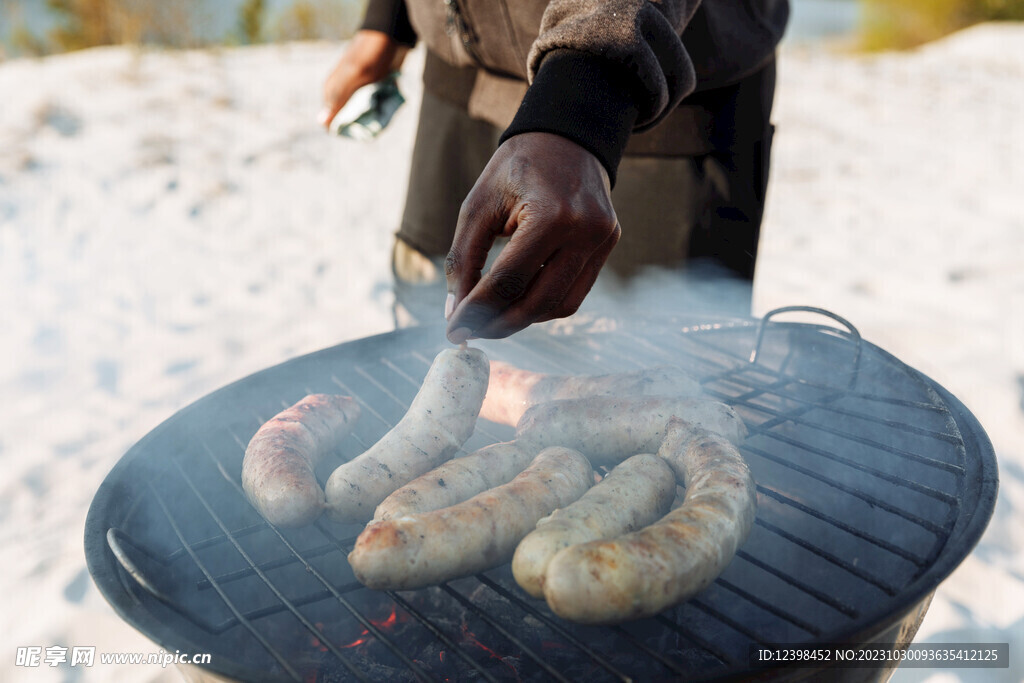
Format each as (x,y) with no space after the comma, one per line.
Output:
(172,221)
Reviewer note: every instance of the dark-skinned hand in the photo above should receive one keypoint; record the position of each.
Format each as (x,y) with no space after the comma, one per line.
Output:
(551,197)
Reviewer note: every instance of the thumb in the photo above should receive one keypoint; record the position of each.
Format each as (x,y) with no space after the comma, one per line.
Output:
(330,110)
(338,90)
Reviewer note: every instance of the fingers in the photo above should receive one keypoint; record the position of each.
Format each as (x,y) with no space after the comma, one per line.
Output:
(544,294)
(338,88)
(509,278)
(329,111)
(551,197)
(516,294)
(585,281)
(484,311)
(482,218)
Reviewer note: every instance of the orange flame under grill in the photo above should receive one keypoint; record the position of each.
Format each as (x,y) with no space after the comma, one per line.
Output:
(364,636)
(470,638)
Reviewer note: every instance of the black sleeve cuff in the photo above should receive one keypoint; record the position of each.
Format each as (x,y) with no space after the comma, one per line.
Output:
(582,98)
(392,18)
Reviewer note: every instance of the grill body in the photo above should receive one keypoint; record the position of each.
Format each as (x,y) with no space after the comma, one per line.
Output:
(873,484)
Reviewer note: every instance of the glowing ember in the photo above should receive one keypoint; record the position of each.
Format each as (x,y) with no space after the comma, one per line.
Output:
(357,642)
(470,637)
(385,625)
(390,621)
(315,642)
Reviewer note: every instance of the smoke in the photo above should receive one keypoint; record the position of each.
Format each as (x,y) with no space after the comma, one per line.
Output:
(702,288)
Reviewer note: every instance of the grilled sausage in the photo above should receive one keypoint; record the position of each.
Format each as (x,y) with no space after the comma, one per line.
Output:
(636,493)
(512,390)
(457,480)
(439,420)
(277,470)
(642,573)
(421,550)
(608,429)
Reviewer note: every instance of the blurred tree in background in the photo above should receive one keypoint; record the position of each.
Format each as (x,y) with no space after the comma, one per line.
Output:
(250,21)
(76,24)
(299,22)
(84,23)
(88,23)
(16,32)
(887,24)
(317,20)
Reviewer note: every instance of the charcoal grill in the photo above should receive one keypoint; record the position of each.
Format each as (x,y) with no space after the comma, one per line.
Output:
(873,484)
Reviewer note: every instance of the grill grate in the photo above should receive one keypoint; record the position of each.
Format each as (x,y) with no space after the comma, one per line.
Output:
(865,500)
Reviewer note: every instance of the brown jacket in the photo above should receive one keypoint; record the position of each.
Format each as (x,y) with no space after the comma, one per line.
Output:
(675,46)
(489,50)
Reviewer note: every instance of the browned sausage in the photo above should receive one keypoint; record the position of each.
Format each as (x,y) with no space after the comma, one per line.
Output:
(277,470)
(637,492)
(512,391)
(421,550)
(642,573)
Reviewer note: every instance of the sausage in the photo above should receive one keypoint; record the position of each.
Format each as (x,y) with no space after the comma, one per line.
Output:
(636,493)
(421,550)
(439,420)
(512,390)
(644,572)
(277,470)
(457,480)
(607,429)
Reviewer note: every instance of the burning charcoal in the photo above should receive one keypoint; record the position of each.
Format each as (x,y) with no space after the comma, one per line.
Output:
(330,673)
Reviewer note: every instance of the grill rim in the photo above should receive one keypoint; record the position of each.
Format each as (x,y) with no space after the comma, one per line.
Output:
(122,593)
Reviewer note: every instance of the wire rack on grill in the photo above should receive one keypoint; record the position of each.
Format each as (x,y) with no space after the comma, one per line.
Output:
(873,484)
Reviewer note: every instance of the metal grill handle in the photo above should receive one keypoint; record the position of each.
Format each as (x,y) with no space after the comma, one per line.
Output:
(853,332)
(114,540)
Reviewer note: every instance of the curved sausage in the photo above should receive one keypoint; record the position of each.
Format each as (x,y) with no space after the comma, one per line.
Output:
(439,420)
(421,550)
(642,573)
(636,493)
(607,429)
(277,470)
(457,480)
(512,391)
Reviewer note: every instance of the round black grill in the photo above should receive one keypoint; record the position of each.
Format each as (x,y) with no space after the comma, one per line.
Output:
(873,484)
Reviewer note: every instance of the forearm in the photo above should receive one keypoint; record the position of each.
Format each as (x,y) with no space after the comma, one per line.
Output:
(601,70)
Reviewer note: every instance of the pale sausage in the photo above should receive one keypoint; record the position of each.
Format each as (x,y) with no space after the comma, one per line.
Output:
(440,419)
(457,480)
(608,429)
